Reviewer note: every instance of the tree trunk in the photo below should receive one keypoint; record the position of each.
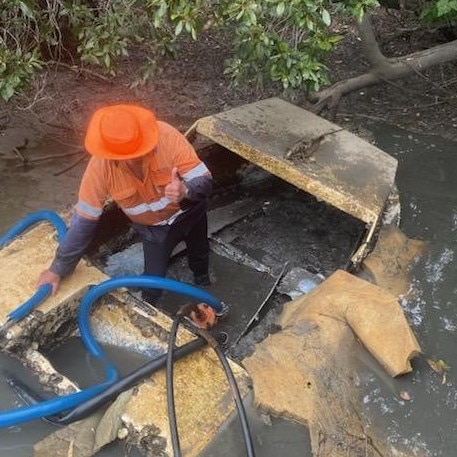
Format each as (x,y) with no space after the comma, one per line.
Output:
(382,68)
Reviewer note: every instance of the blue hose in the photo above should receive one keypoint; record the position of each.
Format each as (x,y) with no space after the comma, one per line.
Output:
(22,311)
(31,219)
(64,403)
(52,406)
(55,405)
(145,282)
(44,291)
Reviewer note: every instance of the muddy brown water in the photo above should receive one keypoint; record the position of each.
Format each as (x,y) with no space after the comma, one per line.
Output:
(427,422)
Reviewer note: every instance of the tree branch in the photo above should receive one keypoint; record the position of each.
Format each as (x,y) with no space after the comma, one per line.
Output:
(370,44)
(383,69)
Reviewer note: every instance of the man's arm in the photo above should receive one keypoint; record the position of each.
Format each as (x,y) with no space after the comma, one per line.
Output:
(193,173)
(74,245)
(195,189)
(92,193)
(69,252)
(199,187)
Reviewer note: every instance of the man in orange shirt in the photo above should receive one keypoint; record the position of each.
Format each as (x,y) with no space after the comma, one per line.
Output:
(155,177)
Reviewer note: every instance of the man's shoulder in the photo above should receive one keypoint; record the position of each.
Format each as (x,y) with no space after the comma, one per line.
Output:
(98,165)
(166,128)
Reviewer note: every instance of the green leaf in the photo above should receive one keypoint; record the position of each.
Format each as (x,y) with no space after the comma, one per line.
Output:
(26,11)
(7,92)
(280,8)
(179,27)
(326,17)
(252,17)
(162,10)
(444,7)
(107,61)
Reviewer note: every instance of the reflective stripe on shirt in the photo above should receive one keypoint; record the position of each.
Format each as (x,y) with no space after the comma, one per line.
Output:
(154,206)
(200,170)
(86,209)
(145,207)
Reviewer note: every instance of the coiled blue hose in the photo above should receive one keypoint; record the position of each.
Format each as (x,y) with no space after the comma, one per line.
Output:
(55,405)
(52,406)
(61,404)
(64,403)
(22,311)
(31,219)
(144,282)
(43,292)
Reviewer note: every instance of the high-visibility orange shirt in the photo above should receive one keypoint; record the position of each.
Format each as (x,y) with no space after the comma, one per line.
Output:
(143,201)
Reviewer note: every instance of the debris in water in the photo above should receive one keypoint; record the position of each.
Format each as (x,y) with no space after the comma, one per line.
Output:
(233,253)
(439,366)
(404,395)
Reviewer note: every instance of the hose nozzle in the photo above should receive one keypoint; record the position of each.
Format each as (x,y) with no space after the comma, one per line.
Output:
(202,315)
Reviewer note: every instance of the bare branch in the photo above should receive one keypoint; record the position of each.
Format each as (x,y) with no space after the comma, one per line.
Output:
(383,69)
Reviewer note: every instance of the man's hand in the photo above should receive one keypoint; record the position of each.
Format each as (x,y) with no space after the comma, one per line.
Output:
(176,190)
(48,277)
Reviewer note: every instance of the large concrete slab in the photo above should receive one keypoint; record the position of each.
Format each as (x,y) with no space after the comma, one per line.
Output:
(309,152)
(21,263)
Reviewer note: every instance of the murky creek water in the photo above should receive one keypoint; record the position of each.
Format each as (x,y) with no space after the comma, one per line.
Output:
(426,423)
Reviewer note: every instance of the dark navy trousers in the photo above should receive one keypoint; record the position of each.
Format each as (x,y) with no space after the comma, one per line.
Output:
(160,240)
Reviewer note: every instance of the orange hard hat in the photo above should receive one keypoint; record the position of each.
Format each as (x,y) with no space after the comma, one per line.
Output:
(121,132)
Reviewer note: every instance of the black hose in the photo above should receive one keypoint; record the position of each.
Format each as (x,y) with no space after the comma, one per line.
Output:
(239,402)
(84,409)
(234,389)
(170,388)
